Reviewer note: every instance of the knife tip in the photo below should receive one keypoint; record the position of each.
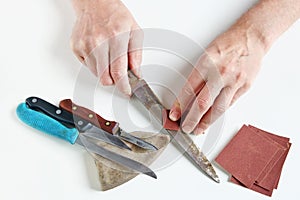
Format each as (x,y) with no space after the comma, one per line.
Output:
(216,179)
(151,174)
(212,174)
(123,145)
(151,148)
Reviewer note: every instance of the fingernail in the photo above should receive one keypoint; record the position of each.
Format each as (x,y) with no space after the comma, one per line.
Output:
(187,129)
(174,115)
(137,69)
(198,131)
(139,72)
(127,91)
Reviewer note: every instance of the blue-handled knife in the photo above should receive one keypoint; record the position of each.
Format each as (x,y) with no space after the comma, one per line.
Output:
(45,123)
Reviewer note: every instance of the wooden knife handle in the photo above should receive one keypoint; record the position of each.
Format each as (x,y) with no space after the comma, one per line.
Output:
(90,116)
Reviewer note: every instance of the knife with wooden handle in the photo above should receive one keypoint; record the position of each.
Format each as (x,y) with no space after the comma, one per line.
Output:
(142,92)
(106,125)
(90,116)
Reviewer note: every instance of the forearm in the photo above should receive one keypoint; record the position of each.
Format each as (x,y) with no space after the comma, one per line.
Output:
(81,6)
(268,19)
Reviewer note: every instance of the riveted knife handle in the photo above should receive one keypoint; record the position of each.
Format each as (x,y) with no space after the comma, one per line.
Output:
(51,110)
(90,116)
(63,116)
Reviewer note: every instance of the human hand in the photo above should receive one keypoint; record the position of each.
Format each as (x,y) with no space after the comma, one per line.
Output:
(231,63)
(220,77)
(107,39)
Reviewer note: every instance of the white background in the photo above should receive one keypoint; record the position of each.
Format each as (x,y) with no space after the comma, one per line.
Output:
(36,60)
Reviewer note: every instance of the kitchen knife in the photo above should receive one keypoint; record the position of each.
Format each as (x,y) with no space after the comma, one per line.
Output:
(67,118)
(109,126)
(146,96)
(45,123)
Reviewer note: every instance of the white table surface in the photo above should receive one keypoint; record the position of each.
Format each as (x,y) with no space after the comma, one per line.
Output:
(36,60)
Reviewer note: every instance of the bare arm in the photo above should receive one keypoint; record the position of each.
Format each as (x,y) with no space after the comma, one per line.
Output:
(231,63)
(270,18)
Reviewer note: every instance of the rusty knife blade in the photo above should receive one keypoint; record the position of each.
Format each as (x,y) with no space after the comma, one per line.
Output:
(146,96)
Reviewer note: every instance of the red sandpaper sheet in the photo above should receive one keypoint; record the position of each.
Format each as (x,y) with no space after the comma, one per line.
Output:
(246,155)
(255,187)
(268,178)
(280,139)
(272,179)
(169,124)
(267,170)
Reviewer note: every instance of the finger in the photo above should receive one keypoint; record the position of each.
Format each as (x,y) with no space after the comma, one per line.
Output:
(221,104)
(202,103)
(79,55)
(135,49)
(118,71)
(118,64)
(239,93)
(188,93)
(135,61)
(91,64)
(78,42)
(83,53)
(78,50)
(105,78)
(101,53)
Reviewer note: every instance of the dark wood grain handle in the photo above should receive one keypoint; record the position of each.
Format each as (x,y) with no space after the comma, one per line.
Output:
(90,116)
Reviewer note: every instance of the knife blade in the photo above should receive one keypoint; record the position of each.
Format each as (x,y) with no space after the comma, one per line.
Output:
(146,96)
(109,126)
(46,124)
(69,120)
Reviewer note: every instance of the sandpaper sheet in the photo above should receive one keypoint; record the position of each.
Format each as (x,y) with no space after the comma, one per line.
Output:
(280,139)
(273,163)
(169,124)
(255,187)
(246,155)
(268,178)
(270,181)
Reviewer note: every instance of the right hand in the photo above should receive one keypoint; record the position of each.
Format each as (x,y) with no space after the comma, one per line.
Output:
(220,77)
(107,39)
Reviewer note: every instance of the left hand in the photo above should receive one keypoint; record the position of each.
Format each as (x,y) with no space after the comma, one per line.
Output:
(107,39)
(221,76)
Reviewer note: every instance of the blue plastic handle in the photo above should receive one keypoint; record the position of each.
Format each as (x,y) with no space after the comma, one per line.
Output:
(46,124)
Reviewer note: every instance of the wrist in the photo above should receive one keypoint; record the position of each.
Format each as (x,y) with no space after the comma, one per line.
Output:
(256,35)
(268,19)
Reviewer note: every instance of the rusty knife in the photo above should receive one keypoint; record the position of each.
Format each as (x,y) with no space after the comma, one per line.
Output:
(142,91)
